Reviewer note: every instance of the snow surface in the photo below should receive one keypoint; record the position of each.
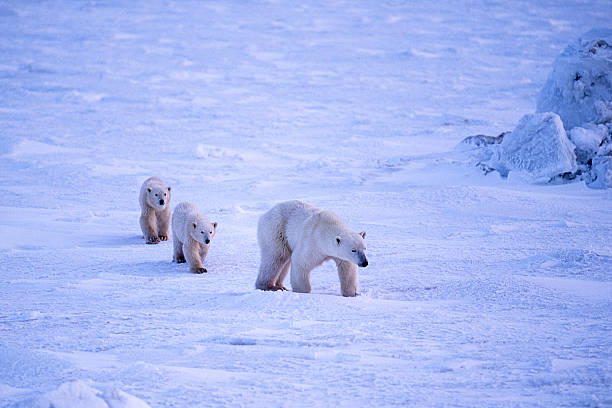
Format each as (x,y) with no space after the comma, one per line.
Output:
(480,291)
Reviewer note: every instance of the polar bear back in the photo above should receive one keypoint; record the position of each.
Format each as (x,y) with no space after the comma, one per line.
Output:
(292,221)
(184,215)
(281,220)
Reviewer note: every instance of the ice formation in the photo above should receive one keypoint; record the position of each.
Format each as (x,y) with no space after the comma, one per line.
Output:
(579,88)
(537,150)
(570,136)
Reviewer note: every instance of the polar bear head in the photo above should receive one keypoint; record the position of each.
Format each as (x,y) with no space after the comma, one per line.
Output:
(158,196)
(203,231)
(350,246)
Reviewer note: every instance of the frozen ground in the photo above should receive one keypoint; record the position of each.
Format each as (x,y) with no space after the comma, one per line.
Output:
(480,292)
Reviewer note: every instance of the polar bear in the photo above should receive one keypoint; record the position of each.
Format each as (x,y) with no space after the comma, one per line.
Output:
(154,210)
(191,233)
(297,236)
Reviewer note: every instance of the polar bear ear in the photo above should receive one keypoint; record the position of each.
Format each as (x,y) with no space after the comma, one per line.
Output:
(194,225)
(214,224)
(363,234)
(338,240)
(149,189)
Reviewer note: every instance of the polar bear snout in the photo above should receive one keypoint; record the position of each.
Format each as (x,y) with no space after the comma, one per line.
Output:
(360,258)
(363,261)
(207,241)
(161,202)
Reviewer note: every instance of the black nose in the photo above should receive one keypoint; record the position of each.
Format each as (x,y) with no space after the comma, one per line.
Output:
(364,263)
(207,241)
(161,202)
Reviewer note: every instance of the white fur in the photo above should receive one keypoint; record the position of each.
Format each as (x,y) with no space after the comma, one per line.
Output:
(154,217)
(190,231)
(295,236)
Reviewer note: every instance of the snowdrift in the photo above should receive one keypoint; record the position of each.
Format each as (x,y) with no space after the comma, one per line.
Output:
(570,135)
(78,394)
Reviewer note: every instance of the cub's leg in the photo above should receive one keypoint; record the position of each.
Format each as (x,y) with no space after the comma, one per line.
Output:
(178,257)
(203,251)
(192,255)
(148,224)
(163,224)
(349,278)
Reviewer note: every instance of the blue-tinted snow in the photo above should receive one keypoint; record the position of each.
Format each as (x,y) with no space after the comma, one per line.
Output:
(480,292)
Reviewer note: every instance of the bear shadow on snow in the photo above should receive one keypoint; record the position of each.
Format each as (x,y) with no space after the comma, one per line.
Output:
(113,241)
(150,268)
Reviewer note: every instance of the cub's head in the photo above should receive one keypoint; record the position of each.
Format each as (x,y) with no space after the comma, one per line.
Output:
(350,246)
(158,197)
(203,231)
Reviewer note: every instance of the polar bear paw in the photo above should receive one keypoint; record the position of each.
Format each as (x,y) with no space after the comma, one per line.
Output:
(200,270)
(153,239)
(163,237)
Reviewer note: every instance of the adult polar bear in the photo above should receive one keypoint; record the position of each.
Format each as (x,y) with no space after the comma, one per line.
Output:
(298,236)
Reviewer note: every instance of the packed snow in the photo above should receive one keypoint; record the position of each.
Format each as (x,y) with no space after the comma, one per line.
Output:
(481,290)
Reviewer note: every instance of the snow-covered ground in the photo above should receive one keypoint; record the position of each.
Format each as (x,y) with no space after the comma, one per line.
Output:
(481,291)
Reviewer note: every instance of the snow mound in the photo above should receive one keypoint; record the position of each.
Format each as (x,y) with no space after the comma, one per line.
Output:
(78,394)
(579,88)
(537,150)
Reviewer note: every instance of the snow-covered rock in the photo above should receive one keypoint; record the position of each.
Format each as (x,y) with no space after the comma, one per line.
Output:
(587,139)
(480,149)
(601,172)
(577,96)
(537,150)
(78,394)
(579,88)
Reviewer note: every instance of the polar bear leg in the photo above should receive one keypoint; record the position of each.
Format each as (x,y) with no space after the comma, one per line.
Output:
(178,257)
(300,276)
(148,224)
(349,278)
(163,224)
(283,274)
(272,263)
(192,255)
(203,252)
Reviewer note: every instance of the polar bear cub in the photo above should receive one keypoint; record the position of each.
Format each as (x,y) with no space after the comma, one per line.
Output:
(296,236)
(154,210)
(191,233)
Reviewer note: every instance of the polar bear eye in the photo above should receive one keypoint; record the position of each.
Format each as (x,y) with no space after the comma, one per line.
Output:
(201,232)
(165,194)
(353,250)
